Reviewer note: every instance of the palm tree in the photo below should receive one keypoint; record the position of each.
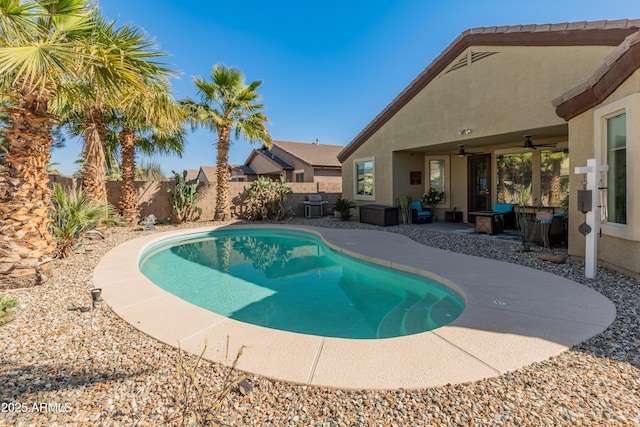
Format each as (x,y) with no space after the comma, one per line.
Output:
(160,121)
(41,48)
(46,47)
(228,106)
(93,103)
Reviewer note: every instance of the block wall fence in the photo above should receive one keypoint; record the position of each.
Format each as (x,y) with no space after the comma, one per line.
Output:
(153,197)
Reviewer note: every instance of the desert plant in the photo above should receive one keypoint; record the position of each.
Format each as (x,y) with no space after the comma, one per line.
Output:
(405,208)
(526,229)
(73,217)
(197,404)
(184,198)
(267,199)
(343,207)
(564,204)
(7,304)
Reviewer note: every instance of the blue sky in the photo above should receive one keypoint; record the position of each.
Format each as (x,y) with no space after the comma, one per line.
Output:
(327,67)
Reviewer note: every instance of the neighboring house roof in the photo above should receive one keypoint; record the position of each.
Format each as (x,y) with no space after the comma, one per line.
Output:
(209,173)
(281,164)
(597,33)
(314,154)
(617,68)
(192,175)
(244,169)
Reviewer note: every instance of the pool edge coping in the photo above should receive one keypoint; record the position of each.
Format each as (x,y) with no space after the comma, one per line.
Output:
(459,352)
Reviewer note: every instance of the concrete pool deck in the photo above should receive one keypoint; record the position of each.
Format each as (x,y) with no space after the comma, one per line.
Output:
(514,316)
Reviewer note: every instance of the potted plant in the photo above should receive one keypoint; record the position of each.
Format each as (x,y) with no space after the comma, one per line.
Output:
(343,208)
(431,198)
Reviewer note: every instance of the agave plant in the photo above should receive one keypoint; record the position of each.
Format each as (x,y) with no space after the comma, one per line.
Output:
(74,216)
(343,207)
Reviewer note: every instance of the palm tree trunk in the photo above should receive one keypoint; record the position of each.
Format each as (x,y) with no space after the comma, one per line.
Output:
(223,212)
(25,241)
(94,171)
(128,204)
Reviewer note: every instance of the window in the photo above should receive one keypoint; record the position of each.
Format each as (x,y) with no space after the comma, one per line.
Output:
(299,175)
(364,179)
(615,129)
(436,174)
(617,173)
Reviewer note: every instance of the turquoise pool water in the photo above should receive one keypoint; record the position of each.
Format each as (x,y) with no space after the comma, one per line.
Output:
(290,280)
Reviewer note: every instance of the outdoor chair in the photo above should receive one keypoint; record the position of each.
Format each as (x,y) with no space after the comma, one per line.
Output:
(418,214)
(507,213)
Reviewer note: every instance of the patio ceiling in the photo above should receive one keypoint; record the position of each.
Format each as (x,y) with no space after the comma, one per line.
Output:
(550,134)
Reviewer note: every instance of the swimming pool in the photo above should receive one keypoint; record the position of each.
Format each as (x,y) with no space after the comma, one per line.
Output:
(290,280)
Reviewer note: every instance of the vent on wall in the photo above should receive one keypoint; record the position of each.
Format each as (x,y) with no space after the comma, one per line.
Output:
(469,59)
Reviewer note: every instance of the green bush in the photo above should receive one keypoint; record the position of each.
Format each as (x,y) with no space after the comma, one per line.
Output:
(267,199)
(74,216)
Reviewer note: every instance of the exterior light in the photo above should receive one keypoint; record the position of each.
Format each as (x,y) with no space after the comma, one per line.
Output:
(95,296)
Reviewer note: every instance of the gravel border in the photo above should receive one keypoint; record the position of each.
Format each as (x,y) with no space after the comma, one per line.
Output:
(62,365)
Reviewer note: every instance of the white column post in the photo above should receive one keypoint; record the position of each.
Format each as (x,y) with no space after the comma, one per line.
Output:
(593,217)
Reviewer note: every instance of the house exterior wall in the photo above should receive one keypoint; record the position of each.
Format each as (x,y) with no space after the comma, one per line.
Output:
(622,253)
(329,176)
(506,93)
(311,174)
(263,166)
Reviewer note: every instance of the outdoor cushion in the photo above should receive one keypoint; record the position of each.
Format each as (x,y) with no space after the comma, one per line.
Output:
(417,206)
(503,207)
(419,215)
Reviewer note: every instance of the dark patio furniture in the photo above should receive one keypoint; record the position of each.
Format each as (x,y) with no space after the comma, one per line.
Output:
(420,215)
(489,222)
(379,215)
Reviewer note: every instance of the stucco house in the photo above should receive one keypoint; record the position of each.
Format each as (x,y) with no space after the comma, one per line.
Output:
(296,161)
(603,113)
(500,116)
(207,174)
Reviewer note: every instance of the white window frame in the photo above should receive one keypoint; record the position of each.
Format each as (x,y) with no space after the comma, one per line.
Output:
(296,173)
(447,180)
(629,105)
(357,196)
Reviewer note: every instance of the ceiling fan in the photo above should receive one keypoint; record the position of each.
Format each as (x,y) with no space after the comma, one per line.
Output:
(529,145)
(462,152)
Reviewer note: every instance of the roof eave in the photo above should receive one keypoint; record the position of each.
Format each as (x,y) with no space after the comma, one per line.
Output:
(618,67)
(573,34)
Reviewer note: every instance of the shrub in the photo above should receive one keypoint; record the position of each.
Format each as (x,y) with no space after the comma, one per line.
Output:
(267,199)
(343,207)
(197,403)
(184,199)
(7,304)
(74,216)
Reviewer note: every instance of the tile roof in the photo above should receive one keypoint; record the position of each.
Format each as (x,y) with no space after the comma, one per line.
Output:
(244,169)
(317,155)
(584,33)
(209,173)
(192,174)
(275,159)
(618,66)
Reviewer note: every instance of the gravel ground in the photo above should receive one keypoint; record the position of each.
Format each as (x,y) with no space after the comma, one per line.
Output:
(61,365)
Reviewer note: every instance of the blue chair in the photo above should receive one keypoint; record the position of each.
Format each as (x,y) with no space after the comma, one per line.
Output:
(418,214)
(508,215)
